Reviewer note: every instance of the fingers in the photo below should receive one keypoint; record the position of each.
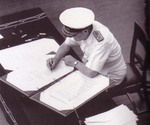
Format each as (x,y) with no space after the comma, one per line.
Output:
(50,63)
(47,63)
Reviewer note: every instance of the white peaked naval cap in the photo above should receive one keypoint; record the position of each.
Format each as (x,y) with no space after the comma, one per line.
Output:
(77,18)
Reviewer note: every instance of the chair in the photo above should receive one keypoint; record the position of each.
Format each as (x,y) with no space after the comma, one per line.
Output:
(137,69)
(146,75)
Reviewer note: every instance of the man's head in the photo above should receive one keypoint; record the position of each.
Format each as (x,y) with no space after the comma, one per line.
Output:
(76,21)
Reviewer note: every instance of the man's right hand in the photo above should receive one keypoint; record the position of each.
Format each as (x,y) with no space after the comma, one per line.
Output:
(51,63)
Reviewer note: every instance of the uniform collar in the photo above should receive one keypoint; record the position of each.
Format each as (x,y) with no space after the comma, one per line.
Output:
(89,39)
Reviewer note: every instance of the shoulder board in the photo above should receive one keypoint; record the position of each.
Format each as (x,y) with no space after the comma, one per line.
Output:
(97,34)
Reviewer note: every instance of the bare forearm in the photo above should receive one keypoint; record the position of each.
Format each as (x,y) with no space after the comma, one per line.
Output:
(71,61)
(62,52)
(85,70)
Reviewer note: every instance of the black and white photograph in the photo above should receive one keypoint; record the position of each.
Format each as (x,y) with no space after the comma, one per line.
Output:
(74,62)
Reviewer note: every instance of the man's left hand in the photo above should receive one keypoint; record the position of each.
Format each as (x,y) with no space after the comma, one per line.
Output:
(69,60)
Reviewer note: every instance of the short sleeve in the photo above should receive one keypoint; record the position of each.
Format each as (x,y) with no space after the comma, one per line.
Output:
(99,56)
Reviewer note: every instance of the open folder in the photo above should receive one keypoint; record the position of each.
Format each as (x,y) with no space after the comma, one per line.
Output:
(61,89)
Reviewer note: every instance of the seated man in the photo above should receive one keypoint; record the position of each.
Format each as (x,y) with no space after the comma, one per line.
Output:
(102,52)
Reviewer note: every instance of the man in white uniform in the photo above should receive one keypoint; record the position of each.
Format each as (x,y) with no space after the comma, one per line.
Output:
(102,53)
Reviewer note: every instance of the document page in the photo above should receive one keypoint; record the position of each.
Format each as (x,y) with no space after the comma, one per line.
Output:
(73,90)
(37,75)
(23,55)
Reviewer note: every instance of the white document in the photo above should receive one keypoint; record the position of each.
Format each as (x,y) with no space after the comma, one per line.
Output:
(23,55)
(1,37)
(37,75)
(109,123)
(73,90)
(120,115)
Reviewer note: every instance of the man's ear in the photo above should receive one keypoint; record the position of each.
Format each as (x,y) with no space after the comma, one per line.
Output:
(85,30)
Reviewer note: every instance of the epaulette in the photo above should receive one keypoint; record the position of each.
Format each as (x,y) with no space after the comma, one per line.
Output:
(98,35)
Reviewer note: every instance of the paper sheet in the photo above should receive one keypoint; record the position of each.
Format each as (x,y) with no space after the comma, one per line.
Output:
(1,37)
(37,75)
(22,55)
(120,115)
(73,90)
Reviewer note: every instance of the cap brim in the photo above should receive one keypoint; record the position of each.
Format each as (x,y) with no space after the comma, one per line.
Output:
(67,33)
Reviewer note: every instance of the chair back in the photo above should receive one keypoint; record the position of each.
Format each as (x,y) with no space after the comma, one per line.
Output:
(139,55)
(137,69)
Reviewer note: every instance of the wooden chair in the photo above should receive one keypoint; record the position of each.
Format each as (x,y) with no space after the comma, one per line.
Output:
(146,75)
(135,80)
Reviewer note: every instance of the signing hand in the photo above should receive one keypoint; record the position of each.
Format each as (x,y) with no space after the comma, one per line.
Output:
(69,60)
(51,63)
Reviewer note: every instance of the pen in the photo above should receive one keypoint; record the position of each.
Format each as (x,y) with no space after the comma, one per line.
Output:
(28,40)
(23,35)
(51,69)
(50,64)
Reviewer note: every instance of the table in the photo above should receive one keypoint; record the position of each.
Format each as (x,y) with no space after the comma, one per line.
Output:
(25,27)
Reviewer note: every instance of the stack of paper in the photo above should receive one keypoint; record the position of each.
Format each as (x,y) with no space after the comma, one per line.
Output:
(120,115)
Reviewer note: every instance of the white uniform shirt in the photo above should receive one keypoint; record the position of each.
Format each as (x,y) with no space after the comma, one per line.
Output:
(103,56)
